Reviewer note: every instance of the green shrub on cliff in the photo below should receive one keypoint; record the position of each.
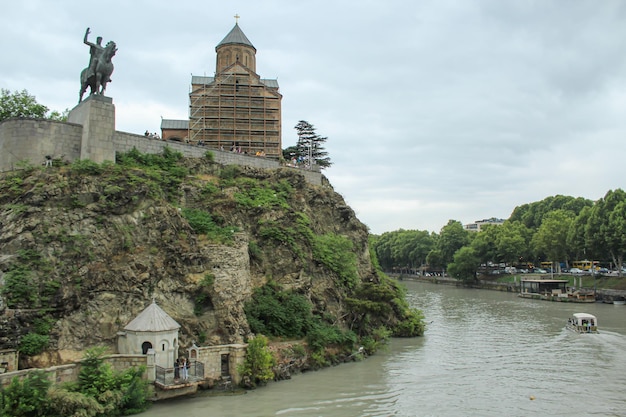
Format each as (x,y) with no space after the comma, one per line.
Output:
(33,343)
(19,287)
(202,223)
(336,253)
(274,312)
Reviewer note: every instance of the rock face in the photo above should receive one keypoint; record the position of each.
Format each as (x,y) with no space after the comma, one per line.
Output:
(83,251)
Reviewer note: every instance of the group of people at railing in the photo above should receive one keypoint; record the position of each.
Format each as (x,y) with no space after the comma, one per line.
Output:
(181,369)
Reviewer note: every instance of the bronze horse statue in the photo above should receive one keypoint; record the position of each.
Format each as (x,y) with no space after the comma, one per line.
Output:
(97,78)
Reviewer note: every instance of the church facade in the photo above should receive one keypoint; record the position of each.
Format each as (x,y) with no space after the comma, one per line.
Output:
(235,110)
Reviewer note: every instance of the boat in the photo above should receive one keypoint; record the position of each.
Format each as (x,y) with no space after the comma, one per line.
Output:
(583,323)
(554,290)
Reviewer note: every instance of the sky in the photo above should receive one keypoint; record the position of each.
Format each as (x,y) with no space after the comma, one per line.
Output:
(434,110)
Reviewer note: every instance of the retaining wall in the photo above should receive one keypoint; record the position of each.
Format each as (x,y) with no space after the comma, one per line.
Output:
(33,139)
(69,373)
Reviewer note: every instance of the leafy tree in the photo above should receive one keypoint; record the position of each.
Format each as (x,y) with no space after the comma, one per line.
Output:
(452,238)
(551,238)
(310,146)
(616,234)
(117,392)
(576,235)
(403,248)
(26,397)
(257,367)
(435,259)
(512,241)
(291,152)
(484,243)
(604,231)
(465,264)
(532,214)
(22,104)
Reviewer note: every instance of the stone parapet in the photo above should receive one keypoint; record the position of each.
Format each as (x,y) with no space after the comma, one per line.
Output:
(69,372)
(90,134)
(32,140)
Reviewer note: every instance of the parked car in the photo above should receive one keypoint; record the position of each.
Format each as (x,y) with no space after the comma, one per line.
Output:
(576,271)
(603,271)
(540,271)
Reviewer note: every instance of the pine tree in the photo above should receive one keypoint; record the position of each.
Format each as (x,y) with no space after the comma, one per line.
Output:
(310,146)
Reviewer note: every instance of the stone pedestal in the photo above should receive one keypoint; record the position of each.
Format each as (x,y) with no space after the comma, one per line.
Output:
(97,116)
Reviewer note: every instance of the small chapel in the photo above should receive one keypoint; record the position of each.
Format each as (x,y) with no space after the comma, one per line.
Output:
(152,331)
(234,110)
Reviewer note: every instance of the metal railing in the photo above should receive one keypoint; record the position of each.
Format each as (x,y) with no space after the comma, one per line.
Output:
(173,376)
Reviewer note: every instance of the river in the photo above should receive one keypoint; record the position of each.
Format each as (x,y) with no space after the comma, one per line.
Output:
(485,353)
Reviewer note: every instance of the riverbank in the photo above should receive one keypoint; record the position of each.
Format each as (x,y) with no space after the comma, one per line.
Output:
(607,289)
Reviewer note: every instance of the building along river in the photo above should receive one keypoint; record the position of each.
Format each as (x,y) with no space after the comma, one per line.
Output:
(485,353)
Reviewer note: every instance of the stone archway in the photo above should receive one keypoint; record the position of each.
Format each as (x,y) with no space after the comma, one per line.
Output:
(145,346)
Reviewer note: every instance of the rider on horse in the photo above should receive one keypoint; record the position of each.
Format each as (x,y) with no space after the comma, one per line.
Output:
(95,51)
(98,73)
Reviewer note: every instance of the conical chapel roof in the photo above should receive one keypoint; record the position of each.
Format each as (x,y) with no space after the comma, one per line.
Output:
(236,36)
(152,319)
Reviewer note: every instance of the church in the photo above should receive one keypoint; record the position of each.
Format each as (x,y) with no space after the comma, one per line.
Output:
(235,110)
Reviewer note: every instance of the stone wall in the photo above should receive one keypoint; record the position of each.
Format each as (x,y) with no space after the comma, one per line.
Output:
(211,357)
(125,142)
(69,373)
(32,139)
(8,360)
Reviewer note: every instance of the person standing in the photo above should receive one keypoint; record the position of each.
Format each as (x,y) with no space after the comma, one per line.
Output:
(177,370)
(183,365)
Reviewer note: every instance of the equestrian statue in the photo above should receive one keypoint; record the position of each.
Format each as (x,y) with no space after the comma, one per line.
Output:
(98,72)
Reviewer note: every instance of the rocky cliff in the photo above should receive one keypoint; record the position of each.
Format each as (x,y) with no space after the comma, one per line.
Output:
(84,248)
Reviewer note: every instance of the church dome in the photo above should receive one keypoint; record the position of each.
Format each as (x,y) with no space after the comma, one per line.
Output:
(235,37)
(152,319)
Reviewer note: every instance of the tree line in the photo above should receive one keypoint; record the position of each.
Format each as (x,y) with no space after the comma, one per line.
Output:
(557,229)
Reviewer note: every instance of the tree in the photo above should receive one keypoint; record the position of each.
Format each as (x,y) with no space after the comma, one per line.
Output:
(532,215)
(451,238)
(22,104)
(605,231)
(465,264)
(484,243)
(576,236)
(310,146)
(551,238)
(512,242)
(257,367)
(403,248)
(26,397)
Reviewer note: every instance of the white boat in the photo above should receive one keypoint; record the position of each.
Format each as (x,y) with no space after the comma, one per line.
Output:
(583,323)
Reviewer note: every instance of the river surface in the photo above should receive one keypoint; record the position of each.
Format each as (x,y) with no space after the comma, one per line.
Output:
(485,353)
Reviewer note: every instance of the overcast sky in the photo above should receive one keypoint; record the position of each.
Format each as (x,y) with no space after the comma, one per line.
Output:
(433,109)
